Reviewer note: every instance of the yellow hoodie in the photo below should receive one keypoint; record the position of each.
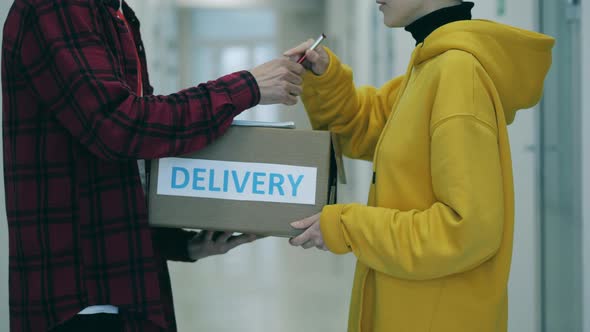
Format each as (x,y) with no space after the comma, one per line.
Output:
(434,243)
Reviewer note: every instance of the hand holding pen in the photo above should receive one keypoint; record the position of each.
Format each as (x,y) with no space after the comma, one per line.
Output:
(311,55)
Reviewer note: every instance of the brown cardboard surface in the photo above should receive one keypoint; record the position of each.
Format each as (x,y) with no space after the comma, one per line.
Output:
(257,145)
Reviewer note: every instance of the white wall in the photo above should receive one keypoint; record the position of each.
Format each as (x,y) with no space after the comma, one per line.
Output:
(586,159)
(299,4)
(4,7)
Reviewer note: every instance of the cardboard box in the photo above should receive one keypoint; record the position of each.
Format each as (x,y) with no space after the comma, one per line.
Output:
(252,180)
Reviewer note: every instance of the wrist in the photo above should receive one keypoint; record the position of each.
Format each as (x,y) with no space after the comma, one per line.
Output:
(194,252)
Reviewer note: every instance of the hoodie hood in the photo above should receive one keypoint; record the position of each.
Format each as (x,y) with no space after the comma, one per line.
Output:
(516,60)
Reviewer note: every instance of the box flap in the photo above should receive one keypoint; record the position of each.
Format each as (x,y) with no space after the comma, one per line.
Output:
(338,156)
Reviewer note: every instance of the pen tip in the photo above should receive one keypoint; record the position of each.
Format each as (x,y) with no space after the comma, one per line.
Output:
(324,35)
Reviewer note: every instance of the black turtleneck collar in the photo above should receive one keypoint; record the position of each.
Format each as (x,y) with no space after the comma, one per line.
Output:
(423,27)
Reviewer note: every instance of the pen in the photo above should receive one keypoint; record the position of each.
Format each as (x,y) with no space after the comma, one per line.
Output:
(313,47)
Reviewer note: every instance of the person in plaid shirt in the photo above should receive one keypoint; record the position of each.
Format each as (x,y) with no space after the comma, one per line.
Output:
(79,112)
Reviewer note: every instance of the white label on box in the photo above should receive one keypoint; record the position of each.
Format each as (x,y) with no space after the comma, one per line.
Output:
(237,181)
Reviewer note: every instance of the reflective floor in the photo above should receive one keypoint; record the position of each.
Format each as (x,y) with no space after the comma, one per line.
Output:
(265,286)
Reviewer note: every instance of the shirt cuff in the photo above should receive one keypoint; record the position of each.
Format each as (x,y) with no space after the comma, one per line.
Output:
(244,90)
(332,230)
(172,243)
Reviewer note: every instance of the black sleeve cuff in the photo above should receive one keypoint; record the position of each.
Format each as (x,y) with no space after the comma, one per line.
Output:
(172,243)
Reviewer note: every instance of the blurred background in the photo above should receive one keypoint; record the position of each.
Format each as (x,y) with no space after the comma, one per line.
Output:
(269,286)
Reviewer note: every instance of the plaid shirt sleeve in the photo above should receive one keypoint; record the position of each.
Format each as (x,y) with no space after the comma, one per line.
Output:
(76,76)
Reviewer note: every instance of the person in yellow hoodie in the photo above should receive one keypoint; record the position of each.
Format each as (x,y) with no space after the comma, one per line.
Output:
(434,242)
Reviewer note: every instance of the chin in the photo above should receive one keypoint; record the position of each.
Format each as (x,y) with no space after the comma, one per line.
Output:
(391,23)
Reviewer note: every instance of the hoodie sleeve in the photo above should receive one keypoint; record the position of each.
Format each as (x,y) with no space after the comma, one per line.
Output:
(459,231)
(356,115)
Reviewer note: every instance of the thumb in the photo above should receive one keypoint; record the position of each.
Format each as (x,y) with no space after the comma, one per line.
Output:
(305,223)
(291,53)
(292,58)
(300,49)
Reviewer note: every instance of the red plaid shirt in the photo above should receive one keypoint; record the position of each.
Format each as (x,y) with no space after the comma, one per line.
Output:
(73,130)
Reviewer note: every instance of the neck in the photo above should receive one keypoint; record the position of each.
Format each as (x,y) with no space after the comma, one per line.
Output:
(430,7)
(424,26)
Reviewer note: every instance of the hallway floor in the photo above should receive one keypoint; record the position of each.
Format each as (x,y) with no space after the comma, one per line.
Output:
(265,286)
